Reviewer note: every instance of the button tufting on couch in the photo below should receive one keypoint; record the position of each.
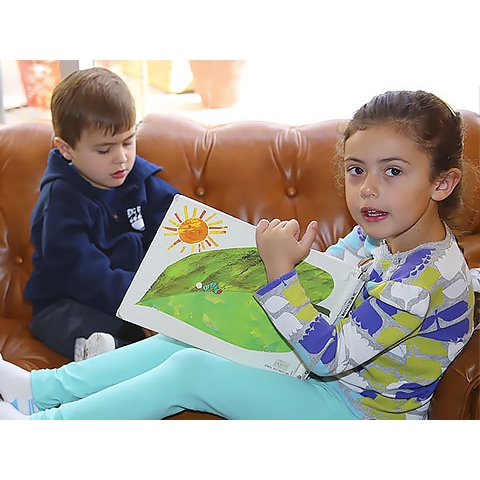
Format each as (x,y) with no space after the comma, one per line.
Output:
(249,169)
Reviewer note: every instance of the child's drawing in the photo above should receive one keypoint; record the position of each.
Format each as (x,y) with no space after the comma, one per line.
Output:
(212,290)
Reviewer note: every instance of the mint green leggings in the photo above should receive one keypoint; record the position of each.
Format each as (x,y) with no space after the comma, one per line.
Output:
(158,377)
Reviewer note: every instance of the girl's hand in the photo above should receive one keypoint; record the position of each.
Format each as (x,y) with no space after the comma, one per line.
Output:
(279,245)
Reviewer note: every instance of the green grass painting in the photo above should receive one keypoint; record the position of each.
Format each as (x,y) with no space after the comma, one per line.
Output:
(213,292)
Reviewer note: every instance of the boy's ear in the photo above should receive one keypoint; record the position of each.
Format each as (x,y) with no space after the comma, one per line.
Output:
(64,147)
(446,184)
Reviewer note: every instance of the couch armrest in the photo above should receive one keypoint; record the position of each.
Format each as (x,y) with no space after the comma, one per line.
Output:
(457,396)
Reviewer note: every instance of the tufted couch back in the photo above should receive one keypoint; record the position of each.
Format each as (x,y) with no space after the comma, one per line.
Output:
(257,169)
(248,169)
(22,162)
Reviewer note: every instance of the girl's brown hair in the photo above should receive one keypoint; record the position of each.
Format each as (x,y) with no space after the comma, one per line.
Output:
(434,126)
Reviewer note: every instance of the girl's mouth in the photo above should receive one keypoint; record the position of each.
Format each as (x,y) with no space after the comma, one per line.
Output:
(372,214)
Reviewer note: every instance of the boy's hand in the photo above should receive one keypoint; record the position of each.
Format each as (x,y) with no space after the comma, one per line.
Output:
(279,245)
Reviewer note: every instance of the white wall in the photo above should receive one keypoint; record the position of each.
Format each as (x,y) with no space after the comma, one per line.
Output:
(307,59)
(12,86)
(336,56)
(316,89)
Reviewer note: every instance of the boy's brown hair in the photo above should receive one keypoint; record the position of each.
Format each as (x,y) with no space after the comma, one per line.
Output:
(95,98)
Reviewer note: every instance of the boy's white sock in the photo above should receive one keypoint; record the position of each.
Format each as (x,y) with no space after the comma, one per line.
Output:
(9,412)
(96,344)
(15,387)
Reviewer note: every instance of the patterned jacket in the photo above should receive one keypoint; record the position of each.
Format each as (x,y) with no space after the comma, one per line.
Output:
(414,315)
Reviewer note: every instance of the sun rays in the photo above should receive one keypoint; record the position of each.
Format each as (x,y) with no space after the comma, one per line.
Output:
(194,232)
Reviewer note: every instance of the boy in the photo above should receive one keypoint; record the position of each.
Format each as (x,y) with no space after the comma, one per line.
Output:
(98,210)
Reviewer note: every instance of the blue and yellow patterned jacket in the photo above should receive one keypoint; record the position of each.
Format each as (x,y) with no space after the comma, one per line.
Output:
(412,318)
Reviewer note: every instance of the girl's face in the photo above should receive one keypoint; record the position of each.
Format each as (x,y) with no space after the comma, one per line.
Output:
(388,188)
(104,160)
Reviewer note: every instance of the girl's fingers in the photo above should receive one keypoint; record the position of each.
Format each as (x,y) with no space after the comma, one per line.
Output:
(262,225)
(309,236)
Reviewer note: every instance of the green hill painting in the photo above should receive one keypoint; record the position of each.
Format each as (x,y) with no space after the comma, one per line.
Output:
(212,291)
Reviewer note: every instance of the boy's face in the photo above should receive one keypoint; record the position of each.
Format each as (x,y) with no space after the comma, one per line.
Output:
(389,191)
(104,160)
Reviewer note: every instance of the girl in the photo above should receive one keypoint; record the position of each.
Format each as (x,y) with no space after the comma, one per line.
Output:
(400,158)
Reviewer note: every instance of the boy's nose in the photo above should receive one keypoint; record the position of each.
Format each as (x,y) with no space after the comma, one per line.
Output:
(121,157)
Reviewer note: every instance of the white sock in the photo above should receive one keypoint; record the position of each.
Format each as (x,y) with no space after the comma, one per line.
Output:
(9,412)
(15,387)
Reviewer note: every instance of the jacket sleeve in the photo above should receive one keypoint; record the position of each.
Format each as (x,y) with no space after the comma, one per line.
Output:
(352,248)
(384,317)
(76,264)
(159,195)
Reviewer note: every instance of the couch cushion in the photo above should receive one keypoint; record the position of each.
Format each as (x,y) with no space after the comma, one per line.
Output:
(18,345)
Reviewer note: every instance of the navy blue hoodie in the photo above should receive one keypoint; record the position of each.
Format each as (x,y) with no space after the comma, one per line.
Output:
(88,241)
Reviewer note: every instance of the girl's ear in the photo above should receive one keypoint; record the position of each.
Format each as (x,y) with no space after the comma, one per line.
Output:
(446,184)
(64,147)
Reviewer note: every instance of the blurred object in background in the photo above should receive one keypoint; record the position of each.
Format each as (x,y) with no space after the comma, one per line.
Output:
(39,78)
(217,81)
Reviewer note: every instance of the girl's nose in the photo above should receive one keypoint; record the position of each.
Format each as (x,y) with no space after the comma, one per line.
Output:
(368,189)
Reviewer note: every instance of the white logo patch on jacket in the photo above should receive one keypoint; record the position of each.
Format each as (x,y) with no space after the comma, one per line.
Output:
(135,218)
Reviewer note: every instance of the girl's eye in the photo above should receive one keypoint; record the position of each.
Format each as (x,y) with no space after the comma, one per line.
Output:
(355,170)
(393,172)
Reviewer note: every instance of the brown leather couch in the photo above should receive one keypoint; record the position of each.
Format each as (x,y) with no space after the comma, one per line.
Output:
(248,169)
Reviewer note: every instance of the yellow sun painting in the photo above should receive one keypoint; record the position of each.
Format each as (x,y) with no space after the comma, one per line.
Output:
(194,231)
